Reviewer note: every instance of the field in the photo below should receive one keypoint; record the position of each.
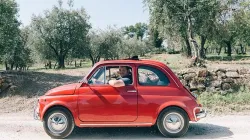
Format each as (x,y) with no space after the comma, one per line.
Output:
(30,84)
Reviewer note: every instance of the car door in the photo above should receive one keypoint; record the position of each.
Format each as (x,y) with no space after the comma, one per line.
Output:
(103,103)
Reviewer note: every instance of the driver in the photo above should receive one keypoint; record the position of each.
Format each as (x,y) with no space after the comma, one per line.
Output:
(125,77)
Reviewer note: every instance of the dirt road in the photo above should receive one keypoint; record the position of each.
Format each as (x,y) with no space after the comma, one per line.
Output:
(18,127)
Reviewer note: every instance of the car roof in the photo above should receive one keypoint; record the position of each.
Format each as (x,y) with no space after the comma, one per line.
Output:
(141,61)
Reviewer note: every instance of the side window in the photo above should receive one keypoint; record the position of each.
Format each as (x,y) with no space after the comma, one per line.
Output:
(150,76)
(106,73)
(98,78)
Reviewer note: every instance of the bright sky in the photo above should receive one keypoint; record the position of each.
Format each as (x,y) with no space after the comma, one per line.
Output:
(102,12)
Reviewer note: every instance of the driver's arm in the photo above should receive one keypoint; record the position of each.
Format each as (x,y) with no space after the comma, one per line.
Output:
(120,83)
(116,83)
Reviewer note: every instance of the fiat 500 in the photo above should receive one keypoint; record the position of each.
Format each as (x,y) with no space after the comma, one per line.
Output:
(121,93)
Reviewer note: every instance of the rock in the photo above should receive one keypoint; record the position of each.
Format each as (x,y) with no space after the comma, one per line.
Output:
(243,71)
(193,85)
(211,90)
(218,89)
(195,92)
(226,86)
(203,73)
(201,87)
(180,77)
(221,70)
(246,76)
(232,70)
(228,80)
(189,76)
(232,74)
(184,82)
(221,75)
(248,71)
(186,71)
(201,80)
(216,84)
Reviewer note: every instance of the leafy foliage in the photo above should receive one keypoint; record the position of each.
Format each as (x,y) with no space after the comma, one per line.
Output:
(13,41)
(61,31)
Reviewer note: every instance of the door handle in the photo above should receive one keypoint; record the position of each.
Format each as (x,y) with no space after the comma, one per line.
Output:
(132,91)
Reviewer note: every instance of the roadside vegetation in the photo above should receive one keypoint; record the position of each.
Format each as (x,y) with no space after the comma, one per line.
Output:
(226,104)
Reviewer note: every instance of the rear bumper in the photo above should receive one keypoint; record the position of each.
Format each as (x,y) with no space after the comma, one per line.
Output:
(201,114)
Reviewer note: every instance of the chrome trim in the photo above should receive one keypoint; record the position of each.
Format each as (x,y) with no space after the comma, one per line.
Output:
(116,124)
(132,91)
(173,122)
(201,114)
(57,123)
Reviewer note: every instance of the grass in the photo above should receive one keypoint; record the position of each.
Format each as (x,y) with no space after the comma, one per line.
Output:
(174,61)
(229,103)
(1,67)
(224,57)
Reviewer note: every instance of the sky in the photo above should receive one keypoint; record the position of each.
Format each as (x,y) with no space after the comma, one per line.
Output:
(102,12)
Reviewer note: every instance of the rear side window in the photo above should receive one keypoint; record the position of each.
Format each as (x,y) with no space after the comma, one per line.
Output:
(150,76)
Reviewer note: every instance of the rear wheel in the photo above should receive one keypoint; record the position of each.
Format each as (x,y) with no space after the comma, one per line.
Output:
(173,122)
(58,123)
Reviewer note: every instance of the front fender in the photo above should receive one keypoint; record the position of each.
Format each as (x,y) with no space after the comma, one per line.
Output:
(66,102)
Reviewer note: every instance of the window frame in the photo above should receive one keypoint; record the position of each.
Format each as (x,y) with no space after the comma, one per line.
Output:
(154,67)
(107,65)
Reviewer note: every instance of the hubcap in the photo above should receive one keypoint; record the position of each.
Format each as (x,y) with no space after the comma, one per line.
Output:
(173,122)
(57,123)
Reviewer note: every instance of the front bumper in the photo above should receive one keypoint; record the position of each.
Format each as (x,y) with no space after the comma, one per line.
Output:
(201,114)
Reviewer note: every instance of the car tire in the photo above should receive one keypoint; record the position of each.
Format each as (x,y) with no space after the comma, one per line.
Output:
(173,122)
(58,123)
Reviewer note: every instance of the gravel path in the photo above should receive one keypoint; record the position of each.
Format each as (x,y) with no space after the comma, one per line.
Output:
(21,127)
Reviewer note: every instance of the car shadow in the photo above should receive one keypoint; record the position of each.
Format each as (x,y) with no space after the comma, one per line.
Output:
(195,131)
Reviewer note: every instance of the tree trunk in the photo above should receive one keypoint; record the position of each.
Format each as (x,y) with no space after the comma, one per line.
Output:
(50,65)
(202,50)
(75,64)
(80,63)
(55,65)
(12,66)
(242,48)
(219,50)
(189,51)
(192,39)
(6,66)
(61,64)
(229,48)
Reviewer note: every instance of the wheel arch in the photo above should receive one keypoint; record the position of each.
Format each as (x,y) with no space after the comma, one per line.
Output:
(169,107)
(53,107)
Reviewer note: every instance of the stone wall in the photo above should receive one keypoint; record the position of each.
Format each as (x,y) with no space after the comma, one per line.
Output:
(220,81)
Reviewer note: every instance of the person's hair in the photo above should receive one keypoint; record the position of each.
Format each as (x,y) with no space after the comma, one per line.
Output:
(127,67)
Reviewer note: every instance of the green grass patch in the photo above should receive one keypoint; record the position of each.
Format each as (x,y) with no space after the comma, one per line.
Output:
(231,102)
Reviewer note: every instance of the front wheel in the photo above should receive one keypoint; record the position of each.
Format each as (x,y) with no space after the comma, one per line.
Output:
(173,122)
(58,123)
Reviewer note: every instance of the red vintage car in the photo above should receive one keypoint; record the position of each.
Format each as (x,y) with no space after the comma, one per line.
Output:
(150,95)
